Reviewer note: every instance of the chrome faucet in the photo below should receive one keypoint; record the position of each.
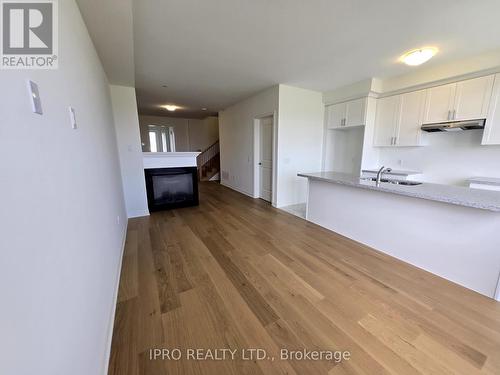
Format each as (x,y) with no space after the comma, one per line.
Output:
(381,171)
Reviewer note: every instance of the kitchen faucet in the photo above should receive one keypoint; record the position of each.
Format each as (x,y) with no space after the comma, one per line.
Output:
(381,171)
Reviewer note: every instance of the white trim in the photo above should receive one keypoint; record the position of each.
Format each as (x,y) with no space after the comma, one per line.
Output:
(138,213)
(441,82)
(170,154)
(256,156)
(107,356)
(238,190)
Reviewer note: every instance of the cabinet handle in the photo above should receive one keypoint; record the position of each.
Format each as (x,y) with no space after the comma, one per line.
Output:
(454,116)
(395,140)
(392,141)
(449,115)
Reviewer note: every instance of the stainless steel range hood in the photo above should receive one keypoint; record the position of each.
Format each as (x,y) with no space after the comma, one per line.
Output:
(454,126)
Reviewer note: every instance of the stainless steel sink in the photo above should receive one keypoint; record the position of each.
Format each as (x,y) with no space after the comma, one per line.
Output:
(394,182)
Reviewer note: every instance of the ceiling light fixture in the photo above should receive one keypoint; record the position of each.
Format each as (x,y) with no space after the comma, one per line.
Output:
(419,56)
(203,109)
(170,107)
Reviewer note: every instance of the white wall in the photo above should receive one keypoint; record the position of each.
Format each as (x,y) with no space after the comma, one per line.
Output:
(300,135)
(129,149)
(190,134)
(449,158)
(203,133)
(61,195)
(236,133)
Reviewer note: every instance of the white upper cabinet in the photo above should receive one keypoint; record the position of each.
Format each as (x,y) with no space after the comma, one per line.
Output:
(386,120)
(348,114)
(473,98)
(439,105)
(356,112)
(491,135)
(410,119)
(336,115)
(399,119)
(465,100)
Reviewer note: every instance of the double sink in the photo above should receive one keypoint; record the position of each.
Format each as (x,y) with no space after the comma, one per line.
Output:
(394,182)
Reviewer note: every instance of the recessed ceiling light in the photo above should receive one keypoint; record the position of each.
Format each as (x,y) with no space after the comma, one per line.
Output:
(203,109)
(418,56)
(171,107)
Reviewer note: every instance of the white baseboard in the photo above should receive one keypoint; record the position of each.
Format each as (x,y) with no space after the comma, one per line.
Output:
(237,189)
(137,213)
(107,356)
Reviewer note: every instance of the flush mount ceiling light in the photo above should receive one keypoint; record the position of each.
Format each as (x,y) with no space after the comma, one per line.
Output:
(418,56)
(170,107)
(204,109)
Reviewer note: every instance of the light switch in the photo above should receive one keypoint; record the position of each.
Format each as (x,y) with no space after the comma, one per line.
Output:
(72,117)
(36,103)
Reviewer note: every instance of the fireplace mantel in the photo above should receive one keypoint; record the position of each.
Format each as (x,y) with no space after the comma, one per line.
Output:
(169,159)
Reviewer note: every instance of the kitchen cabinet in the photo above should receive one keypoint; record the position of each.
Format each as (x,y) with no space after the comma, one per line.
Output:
(386,120)
(473,98)
(336,115)
(410,119)
(491,135)
(440,101)
(464,100)
(347,114)
(398,120)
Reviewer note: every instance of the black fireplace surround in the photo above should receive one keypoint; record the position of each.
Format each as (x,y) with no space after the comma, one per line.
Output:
(171,188)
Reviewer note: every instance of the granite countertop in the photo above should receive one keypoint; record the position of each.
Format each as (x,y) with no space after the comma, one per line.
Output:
(458,195)
(485,180)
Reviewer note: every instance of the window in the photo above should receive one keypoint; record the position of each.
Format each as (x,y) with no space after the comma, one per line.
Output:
(152,141)
(161,138)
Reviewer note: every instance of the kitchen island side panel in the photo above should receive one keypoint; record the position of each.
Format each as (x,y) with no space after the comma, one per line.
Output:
(461,244)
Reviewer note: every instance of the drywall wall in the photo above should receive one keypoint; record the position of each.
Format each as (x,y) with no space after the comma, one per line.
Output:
(63,215)
(203,133)
(190,134)
(300,135)
(448,158)
(236,133)
(129,148)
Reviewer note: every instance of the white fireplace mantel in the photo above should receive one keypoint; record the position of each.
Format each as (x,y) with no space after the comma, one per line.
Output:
(169,159)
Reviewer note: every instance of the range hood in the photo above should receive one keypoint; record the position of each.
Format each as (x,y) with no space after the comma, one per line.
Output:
(454,126)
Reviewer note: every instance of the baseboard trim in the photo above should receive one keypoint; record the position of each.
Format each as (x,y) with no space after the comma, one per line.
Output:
(115,301)
(138,213)
(237,189)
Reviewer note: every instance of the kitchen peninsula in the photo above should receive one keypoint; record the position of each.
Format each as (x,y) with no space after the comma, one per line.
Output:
(450,231)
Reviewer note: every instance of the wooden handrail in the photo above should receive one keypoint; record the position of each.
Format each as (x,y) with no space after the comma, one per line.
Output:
(207,158)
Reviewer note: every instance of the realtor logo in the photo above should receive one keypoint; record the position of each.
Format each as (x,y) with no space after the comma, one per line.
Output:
(29,34)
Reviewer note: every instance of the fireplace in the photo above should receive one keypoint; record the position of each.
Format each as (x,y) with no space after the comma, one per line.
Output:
(171,188)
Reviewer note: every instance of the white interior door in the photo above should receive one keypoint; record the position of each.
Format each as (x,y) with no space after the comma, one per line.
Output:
(266,158)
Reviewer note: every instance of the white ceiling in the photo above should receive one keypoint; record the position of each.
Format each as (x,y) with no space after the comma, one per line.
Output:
(213,53)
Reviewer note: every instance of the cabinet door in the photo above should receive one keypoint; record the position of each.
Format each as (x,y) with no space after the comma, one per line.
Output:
(410,118)
(439,104)
(356,112)
(491,135)
(385,120)
(473,98)
(336,115)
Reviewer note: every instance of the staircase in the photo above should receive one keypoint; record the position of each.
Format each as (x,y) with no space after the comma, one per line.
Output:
(209,163)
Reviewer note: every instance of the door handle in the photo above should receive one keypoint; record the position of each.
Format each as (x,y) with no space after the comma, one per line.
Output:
(260,163)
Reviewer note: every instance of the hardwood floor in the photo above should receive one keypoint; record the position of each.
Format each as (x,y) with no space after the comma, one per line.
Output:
(236,273)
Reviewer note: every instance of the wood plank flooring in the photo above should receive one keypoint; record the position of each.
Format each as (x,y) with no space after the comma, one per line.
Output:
(235,273)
